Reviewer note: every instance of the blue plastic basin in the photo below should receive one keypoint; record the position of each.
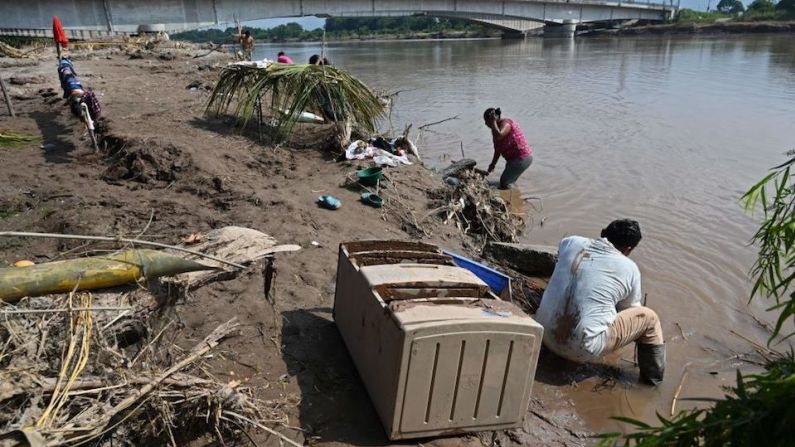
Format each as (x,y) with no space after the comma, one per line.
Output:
(498,282)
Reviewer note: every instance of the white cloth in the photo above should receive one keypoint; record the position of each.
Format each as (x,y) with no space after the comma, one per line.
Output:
(592,281)
(359,150)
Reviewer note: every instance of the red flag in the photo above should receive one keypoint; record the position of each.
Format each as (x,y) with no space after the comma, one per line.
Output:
(58,32)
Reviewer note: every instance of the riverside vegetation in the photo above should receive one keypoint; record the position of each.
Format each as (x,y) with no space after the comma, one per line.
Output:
(348,28)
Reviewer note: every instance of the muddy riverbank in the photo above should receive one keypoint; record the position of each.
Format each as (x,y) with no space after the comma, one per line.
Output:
(167,169)
(699,28)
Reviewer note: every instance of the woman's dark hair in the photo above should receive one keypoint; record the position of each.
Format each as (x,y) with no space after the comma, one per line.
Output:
(491,110)
(281,53)
(623,233)
(314,59)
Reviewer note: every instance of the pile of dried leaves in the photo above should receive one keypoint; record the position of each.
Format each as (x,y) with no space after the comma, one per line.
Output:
(476,210)
(94,368)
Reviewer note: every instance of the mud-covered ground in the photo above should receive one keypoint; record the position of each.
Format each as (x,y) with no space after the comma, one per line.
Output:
(166,168)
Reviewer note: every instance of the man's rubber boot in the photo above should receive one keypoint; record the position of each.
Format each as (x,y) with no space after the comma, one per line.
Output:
(651,360)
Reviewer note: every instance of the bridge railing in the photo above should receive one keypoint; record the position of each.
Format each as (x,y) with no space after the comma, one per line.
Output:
(652,4)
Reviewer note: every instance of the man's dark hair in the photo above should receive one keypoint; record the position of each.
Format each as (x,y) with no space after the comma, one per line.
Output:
(623,233)
(281,53)
(314,58)
(246,33)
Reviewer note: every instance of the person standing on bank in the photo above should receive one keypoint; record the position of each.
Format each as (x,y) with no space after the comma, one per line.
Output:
(509,142)
(247,43)
(592,305)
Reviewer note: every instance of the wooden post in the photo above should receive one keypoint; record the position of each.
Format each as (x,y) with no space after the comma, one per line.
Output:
(7,98)
(258,105)
(323,45)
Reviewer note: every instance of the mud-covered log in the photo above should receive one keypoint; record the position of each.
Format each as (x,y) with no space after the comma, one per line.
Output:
(525,258)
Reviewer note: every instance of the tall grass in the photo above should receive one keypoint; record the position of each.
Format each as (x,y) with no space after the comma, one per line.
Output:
(15,139)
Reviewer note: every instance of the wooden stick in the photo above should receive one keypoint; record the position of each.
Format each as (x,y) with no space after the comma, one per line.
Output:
(94,385)
(7,98)
(258,425)
(64,309)
(118,239)
(425,126)
(679,390)
(149,345)
(755,344)
(681,331)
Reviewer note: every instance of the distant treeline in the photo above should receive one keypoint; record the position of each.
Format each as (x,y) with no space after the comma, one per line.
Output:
(757,10)
(341,28)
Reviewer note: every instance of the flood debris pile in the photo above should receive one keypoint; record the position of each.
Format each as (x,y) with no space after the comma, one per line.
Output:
(476,209)
(71,375)
(104,367)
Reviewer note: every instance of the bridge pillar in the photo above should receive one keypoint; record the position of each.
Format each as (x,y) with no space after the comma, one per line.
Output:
(566,29)
(513,34)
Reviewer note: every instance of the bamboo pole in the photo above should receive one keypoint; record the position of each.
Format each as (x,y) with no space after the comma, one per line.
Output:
(6,97)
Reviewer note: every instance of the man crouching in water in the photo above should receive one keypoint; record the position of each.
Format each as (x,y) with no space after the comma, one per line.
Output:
(592,305)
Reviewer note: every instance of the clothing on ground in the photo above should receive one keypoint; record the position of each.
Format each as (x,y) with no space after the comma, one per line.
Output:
(592,281)
(513,169)
(68,77)
(514,145)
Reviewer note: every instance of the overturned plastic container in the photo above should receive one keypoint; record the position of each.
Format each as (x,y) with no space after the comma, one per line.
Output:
(437,350)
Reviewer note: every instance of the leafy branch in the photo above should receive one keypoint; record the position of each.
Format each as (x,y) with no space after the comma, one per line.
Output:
(774,270)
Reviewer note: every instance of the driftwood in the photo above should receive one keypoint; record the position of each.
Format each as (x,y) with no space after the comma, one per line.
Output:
(209,342)
(476,209)
(118,239)
(6,97)
(10,51)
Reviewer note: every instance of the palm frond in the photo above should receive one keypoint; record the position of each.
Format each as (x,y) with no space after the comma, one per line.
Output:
(293,89)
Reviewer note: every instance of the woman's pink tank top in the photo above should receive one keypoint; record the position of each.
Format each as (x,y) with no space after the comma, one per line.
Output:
(513,146)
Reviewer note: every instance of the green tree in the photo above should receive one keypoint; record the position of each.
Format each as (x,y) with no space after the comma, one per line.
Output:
(761,6)
(787,7)
(731,6)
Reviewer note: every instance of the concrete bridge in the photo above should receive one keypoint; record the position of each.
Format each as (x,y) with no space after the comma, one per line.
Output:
(93,18)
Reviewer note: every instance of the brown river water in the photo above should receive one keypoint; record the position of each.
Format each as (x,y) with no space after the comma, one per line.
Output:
(666,130)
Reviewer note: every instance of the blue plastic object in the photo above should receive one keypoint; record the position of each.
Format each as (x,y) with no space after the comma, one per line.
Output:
(329,202)
(498,282)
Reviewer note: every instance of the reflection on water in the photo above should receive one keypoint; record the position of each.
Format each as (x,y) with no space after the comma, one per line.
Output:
(669,131)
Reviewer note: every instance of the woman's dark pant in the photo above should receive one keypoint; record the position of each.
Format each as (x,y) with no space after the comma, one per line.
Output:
(513,169)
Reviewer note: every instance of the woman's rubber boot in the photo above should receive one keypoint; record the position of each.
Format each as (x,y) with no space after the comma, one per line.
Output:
(651,360)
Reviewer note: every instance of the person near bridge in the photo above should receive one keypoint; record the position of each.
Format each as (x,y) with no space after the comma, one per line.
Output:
(247,43)
(592,305)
